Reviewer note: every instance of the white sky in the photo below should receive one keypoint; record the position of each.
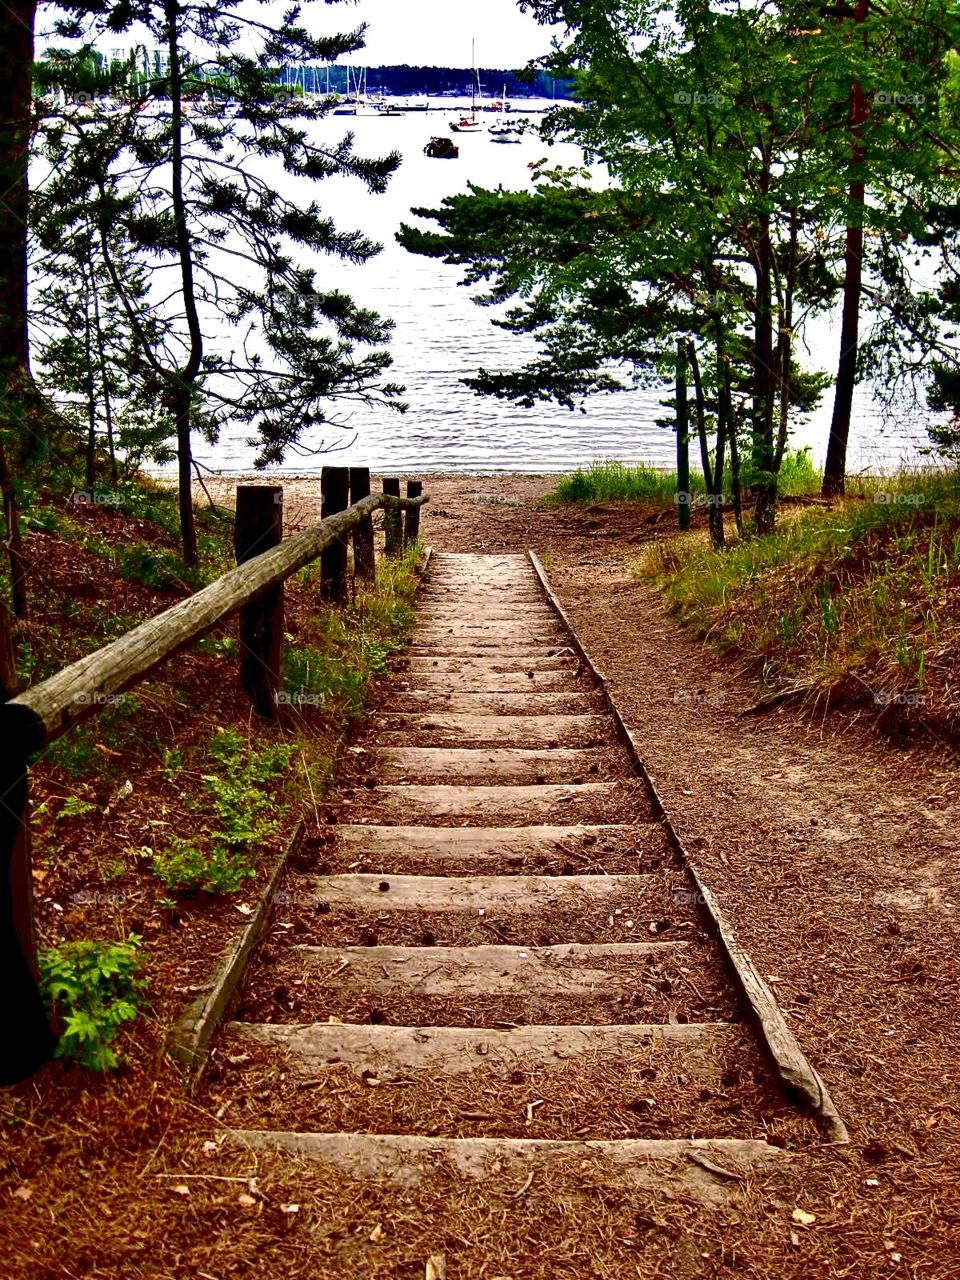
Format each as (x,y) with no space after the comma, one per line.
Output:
(438,32)
(417,32)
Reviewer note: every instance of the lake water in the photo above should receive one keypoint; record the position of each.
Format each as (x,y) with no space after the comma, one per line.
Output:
(441,336)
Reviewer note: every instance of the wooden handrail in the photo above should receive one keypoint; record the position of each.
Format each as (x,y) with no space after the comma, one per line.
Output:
(48,710)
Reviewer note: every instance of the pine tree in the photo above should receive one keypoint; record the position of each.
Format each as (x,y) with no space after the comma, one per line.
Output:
(205,199)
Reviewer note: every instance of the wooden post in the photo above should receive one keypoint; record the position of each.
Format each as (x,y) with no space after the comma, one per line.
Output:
(28,1041)
(392,521)
(411,522)
(258,527)
(335,495)
(364,556)
(683,441)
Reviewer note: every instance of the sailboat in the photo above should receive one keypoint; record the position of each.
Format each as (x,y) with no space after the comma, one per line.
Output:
(469,123)
(348,107)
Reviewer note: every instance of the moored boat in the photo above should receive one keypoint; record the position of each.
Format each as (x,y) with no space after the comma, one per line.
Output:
(441,149)
(468,122)
(503,132)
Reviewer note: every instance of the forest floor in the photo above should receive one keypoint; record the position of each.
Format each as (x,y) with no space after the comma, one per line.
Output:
(831,850)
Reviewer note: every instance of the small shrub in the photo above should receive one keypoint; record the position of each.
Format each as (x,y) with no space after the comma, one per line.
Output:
(94,988)
(186,867)
(74,807)
(157,569)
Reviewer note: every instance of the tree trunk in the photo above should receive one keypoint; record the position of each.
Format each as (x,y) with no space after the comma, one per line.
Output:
(104,372)
(714,486)
(835,466)
(90,474)
(764,383)
(188,530)
(187,376)
(9,682)
(16,87)
(683,441)
(18,563)
(785,340)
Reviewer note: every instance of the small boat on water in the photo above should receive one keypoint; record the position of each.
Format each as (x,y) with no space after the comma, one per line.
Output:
(503,132)
(468,123)
(441,149)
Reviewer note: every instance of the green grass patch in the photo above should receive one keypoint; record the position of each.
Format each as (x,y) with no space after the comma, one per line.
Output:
(617,482)
(864,595)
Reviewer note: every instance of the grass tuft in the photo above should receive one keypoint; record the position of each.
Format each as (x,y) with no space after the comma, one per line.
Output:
(616,482)
(861,600)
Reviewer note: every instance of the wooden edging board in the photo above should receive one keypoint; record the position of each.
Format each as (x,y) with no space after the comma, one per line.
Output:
(797,1075)
(188,1041)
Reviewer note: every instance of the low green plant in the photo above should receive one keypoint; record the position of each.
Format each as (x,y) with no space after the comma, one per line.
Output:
(74,807)
(93,988)
(74,752)
(615,482)
(861,597)
(238,792)
(187,866)
(156,568)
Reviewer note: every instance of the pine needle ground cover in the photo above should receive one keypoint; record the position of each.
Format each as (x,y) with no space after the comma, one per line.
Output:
(160,818)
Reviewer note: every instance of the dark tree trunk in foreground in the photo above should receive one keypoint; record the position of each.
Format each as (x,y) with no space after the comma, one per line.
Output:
(835,466)
(16,67)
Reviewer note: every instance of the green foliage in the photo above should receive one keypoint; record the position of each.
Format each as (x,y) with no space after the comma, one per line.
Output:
(237,791)
(348,648)
(798,475)
(155,568)
(95,988)
(74,752)
(616,482)
(188,867)
(74,807)
(864,593)
(239,794)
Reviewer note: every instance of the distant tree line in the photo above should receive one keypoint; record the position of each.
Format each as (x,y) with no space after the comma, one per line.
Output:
(408,81)
(95,72)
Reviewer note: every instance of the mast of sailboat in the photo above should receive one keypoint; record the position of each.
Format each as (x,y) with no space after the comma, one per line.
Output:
(473,79)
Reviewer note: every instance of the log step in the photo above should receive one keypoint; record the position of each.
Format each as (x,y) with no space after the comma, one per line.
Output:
(417,804)
(455,851)
(471,894)
(485,764)
(485,681)
(391,1052)
(453,665)
(443,702)
(505,731)
(707,1170)
(561,970)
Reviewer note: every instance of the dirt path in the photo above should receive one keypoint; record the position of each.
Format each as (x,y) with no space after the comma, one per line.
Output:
(834,855)
(504,919)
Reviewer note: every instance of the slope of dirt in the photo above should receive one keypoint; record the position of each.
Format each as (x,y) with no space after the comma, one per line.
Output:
(832,853)
(831,850)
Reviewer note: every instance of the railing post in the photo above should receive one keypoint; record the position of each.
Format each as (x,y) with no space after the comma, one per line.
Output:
(258,527)
(28,1041)
(392,520)
(364,556)
(335,496)
(411,517)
